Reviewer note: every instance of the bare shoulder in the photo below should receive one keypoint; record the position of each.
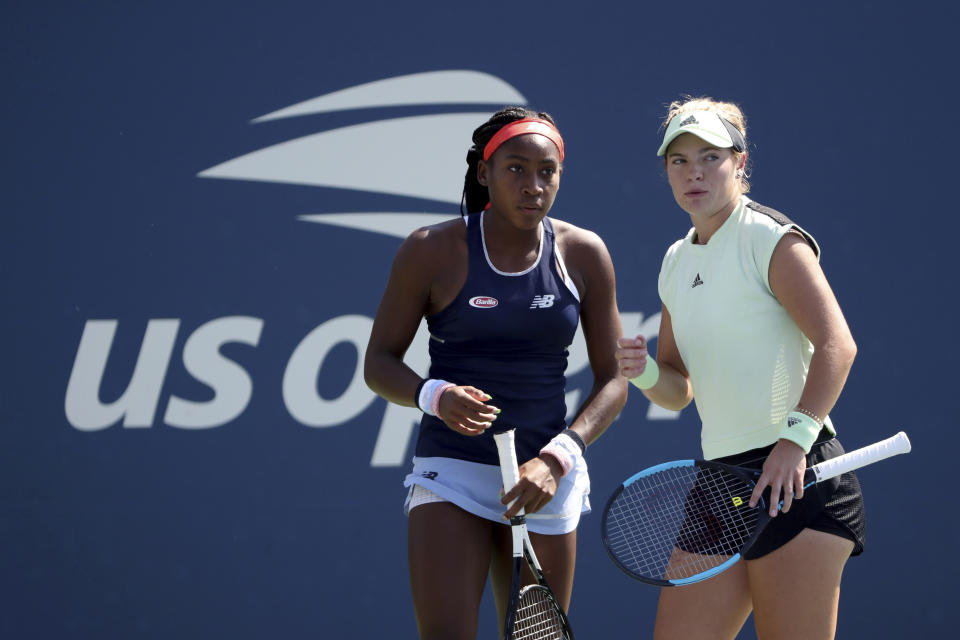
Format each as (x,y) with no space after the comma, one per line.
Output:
(576,242)
(585,255)
(434,244)
(793,248)
(437,234)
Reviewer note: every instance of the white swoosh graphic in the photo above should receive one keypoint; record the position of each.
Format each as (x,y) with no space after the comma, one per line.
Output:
(433,87)
(399,225)
(419,156)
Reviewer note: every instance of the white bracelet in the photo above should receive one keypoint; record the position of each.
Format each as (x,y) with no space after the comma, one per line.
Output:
(564,450)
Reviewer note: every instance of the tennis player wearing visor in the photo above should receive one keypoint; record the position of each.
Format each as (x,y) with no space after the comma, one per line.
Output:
(752,333)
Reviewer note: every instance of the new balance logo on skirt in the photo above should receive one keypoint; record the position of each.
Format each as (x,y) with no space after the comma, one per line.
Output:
(542,302)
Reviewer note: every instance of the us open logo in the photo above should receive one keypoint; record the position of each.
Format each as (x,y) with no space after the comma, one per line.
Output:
(316,159)
(483,302)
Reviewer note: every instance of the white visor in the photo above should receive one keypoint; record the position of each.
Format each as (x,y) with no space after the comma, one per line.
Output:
(706,125)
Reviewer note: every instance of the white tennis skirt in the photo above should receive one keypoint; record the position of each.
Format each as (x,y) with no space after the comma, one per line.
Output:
(476,488)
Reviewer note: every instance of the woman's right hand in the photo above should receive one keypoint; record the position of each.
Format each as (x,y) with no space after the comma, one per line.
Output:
(631,356)
(464,410)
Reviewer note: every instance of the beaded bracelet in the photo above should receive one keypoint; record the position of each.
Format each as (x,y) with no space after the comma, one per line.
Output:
(807,412)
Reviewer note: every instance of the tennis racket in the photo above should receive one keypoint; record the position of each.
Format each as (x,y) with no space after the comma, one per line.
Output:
(533,610)
(685,521)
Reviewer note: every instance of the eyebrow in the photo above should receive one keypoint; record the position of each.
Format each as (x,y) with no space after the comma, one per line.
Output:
(709,147)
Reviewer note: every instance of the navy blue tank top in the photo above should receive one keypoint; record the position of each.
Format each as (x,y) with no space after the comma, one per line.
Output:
(507,335)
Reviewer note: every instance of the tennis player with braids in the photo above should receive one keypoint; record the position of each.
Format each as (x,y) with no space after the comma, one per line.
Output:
(751,331)
(502,289)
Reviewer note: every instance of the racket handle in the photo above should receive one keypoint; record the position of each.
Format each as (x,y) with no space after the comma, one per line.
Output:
(509,468)
(875,452)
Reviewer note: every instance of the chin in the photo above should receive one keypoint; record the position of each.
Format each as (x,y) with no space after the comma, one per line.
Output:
(533,218)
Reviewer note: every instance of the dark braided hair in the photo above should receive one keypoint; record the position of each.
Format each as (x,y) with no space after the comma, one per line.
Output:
(475,195)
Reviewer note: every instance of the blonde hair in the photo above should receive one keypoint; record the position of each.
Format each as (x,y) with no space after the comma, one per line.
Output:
(727,110)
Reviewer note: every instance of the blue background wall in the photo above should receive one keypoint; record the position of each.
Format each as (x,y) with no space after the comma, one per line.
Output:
(245,494)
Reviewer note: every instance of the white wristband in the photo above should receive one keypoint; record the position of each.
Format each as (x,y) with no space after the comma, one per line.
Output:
(425,399)
(564,450)
(649,376)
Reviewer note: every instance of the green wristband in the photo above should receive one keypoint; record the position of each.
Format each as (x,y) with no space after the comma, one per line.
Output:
(800,429)
(649,376)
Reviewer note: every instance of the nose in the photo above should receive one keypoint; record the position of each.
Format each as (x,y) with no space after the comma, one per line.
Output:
(696,171)
(533,186)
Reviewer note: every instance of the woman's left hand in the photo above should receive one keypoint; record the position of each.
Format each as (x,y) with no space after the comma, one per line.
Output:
(537,486)
(783,472)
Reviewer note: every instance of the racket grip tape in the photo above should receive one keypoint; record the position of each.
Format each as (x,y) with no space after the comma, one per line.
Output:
(509,468)
(895,445)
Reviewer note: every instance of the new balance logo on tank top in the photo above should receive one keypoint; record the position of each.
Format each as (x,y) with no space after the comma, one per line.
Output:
(746,357)
(507,334)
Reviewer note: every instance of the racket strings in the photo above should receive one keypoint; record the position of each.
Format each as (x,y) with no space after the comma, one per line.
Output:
(538,616)
(680,521)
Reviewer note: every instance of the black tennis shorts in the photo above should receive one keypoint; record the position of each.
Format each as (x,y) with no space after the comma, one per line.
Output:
(833,506)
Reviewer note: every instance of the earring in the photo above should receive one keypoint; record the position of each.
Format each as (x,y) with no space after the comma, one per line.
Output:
(739,175)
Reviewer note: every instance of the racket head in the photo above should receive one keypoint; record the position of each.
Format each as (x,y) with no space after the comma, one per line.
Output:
(681,522)
(539,615)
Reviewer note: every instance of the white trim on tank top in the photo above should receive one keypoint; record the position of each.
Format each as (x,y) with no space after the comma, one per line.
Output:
(556,250)
(483,240)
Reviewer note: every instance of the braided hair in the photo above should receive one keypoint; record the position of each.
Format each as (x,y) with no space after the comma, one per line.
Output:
(475,195)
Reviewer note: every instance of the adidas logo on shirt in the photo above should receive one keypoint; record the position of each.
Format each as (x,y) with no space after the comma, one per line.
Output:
(542,302)
(696,282)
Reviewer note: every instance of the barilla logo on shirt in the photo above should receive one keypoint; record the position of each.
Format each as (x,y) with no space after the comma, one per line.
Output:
(483,302)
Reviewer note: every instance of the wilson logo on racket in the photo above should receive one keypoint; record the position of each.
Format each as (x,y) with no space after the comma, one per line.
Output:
(483,302)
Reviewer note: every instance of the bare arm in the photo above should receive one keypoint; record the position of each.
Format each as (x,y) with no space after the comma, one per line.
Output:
(601,325)
(801,287)
(673,389)
(798,282)
(402,306)
(413,278)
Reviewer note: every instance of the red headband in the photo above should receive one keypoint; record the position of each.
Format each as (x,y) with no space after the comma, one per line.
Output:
(519,128)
